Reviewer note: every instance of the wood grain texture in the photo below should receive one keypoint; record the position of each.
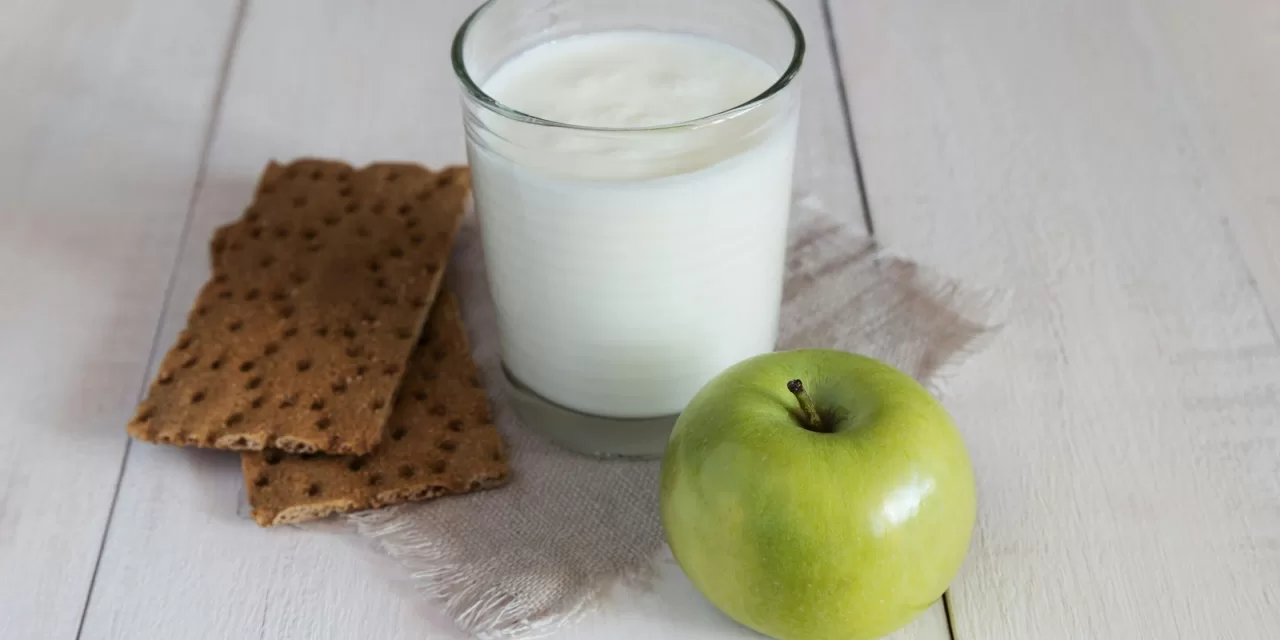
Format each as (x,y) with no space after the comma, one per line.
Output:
(1220,60)
(104,111)
(363,82)
(1123,427)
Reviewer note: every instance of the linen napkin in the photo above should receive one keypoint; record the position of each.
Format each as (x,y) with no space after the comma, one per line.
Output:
(527,559)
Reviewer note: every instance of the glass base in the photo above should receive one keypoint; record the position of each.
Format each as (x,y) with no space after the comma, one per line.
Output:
(588,434)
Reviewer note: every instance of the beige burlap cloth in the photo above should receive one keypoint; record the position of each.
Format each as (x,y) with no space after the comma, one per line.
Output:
(527,559)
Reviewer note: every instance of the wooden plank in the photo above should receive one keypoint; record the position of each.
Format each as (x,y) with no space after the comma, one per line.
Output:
(105,109)
(360,81)
(1123,426)
(1222,59)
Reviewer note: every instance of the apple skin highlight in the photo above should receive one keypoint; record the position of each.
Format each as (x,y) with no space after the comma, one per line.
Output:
(847,534)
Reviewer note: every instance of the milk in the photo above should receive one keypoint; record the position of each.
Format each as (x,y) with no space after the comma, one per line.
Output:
(628,268)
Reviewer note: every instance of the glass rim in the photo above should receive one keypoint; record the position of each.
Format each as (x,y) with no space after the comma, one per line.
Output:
(474,91)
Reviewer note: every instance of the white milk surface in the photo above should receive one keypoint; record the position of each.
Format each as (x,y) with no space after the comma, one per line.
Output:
(628,268)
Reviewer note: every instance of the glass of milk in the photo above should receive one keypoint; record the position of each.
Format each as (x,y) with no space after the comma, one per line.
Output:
(631,163)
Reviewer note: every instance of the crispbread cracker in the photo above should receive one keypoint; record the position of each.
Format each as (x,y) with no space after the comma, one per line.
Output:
(300,338)
(440,440)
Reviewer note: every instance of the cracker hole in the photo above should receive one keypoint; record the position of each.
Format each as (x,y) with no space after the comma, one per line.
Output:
(438,355)
(221,278)
(355,465)
(252,294)
(350,208)
(323,423)
(418,302)
(316,174)
(191,361)
(303,365)
(391,369)
(455,425)
(270,349)
(145,415)
(298,277)
(448,445)
(317,404)
(184,342)
(255,233)
(378,207)
(202,311)
(404,209)
(291,173)
(339,387)
(282,233)
(234,246)
(369,317)
(257,402)
(496,456)
(438,466)
(444,180)
(381,282)
(416,239)
(290,332)
(433,267)
(279,295)
(313,490)
(273,456)
(362,231)
(398,433)
(322,331)
(353,352)
(261,482)
(299,202)
(235,326)
(216,364)
(410,223)
(266,261)
(331,221)
(286,311)
(308,234)
(396,252)
(361,370)
(438,409)
(475,381)
(475,485)
(393,176)
(246,366)
(407,471)
(225,294)
(375,479)
(420,395)
(378,404)
(252,215)
(375,266)
(289,400)
(315,248)
(348,332)
(233,419)
(253,383)
(345,191)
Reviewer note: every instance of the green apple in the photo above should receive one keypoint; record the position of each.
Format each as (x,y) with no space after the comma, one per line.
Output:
(817,495)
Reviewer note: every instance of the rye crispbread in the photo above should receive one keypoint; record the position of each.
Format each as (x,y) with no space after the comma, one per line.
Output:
(300,337)
(440,440)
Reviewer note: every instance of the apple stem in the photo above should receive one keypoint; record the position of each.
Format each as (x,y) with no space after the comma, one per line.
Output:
(806,405)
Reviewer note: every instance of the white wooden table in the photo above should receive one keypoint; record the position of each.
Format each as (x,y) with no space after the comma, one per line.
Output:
(1115,161)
